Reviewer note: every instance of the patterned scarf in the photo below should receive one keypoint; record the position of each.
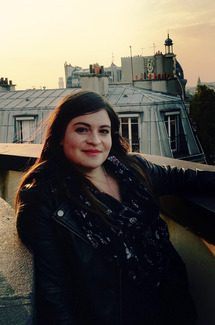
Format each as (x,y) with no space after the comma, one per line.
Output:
(138,240)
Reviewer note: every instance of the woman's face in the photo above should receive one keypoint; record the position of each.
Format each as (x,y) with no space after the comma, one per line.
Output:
(87,140)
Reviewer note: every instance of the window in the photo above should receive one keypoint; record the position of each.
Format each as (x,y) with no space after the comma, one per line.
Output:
(129,128)
(177,138)
(172,130)
(24,128)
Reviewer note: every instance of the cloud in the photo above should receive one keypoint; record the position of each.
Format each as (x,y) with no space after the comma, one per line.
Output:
(199,32)
(175,14)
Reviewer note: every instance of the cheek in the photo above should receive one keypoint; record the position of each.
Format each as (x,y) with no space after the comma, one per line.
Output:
(70,140)
(108,145)
(68,145)
(110,142)
(70,151)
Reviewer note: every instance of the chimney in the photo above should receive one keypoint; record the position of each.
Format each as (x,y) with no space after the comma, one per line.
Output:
(97,82)
(5,86)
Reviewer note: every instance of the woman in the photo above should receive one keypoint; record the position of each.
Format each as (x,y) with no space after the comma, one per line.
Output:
(87,209)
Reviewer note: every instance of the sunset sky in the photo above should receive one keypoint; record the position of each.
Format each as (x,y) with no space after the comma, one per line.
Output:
(37,37)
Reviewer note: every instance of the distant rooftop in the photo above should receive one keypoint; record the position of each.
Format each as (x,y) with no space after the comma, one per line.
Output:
(49,98)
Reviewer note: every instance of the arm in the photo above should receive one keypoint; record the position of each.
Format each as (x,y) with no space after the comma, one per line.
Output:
(35,227)
(169,180)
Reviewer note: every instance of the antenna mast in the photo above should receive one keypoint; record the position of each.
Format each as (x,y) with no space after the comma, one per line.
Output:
(154,46)
(142,48)
(132,74)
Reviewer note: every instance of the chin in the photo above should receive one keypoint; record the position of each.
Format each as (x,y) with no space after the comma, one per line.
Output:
(88,167)
(92,166)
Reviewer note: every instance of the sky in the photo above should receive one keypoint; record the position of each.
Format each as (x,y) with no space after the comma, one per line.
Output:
(38,37)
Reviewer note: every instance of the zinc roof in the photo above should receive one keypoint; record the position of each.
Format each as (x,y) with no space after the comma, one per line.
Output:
(118,95)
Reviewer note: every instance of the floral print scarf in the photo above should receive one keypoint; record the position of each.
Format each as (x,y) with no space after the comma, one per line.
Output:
(138,240)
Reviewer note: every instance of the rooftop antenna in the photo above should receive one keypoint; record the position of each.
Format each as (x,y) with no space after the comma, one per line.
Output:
(142,48)
(154,46)
(112,57)
(132,74)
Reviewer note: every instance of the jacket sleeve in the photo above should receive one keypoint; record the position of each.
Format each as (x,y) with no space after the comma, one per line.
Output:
(36,229)
(169,180)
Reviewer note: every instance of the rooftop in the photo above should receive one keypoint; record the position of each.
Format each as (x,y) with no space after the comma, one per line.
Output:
(49,98)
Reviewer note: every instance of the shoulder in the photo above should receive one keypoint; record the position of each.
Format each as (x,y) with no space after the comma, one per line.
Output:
(38,200)
(40,186)
(140,160)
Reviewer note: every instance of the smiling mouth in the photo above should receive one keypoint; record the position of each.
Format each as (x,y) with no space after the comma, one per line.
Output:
(92,152)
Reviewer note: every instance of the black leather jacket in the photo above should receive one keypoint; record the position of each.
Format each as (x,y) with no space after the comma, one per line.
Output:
(74,284)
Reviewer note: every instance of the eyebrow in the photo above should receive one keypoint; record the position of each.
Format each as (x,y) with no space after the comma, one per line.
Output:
(88,125)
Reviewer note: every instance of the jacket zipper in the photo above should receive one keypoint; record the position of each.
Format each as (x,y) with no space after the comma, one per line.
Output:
(74,232)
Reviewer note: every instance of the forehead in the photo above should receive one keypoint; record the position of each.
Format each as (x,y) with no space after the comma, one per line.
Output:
(97,118)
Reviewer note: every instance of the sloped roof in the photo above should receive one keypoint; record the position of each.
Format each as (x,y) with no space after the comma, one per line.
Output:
(128,95)
(117,96)
(33,98)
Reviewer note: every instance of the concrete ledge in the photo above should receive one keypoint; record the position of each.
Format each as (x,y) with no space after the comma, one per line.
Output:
(18,157)
(199,258)
(16,273)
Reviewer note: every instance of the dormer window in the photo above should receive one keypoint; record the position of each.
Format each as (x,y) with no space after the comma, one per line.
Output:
(25,127)
(177,138)
(171,123)
(130,130)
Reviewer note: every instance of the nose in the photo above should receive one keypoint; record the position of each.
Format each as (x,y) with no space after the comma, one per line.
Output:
(94,138)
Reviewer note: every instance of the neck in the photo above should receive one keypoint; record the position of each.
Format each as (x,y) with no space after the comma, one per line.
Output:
(95,173)
(107,183)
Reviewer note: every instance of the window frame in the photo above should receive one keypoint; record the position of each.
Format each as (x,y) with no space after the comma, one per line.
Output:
(129,116)
(169,132)
(18,132)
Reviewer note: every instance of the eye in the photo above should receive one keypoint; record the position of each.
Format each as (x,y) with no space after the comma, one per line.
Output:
(81,130)
(105,131)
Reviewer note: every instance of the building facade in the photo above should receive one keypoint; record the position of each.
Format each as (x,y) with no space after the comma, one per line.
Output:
(159,72)
(73,74)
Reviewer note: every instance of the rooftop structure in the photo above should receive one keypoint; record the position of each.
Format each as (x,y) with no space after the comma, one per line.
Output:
(159,72)
(5,85)
(168,45)
(73,74)
(60,82)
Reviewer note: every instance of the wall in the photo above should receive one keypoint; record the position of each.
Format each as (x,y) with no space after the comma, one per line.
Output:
(199,258)
(137,64)
(16,273)
(161,64)
(9,181)
(96,82)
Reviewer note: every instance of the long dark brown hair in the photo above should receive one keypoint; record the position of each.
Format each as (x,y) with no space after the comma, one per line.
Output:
(74,105)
